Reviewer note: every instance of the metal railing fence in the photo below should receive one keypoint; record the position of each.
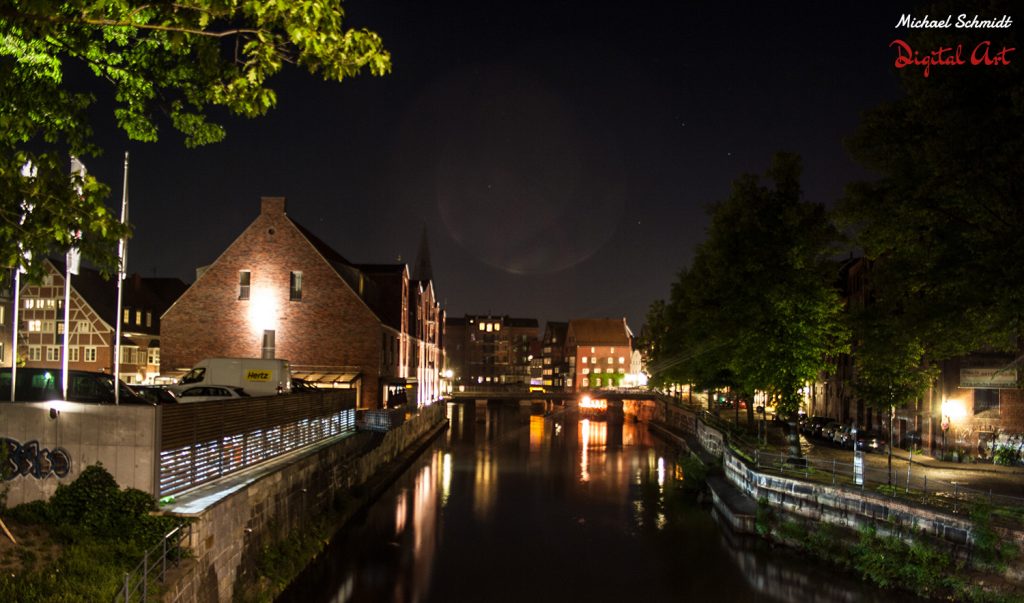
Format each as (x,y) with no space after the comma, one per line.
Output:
(205,441)
(145,579)
(910,482)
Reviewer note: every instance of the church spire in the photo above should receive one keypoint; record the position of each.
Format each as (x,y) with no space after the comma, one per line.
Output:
(422,269)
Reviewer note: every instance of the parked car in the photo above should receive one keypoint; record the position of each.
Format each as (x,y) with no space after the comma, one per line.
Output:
(828,431)
(870,440)
(301,385)
(203,393)
(43,385)
(842,436)
(911,440)
(157,394)
(812,426)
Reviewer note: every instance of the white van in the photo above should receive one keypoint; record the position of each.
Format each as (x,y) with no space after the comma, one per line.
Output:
(257,376)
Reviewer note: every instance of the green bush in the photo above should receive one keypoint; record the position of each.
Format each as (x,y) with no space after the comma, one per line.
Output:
(105,531)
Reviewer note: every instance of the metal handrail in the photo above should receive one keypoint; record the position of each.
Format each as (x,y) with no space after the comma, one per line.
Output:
(906,485)
(153,567)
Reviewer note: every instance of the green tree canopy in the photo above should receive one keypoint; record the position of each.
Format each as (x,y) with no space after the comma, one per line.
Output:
(758,308)
(163,61)
(944,220)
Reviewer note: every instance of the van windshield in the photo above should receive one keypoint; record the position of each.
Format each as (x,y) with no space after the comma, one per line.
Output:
(193,376)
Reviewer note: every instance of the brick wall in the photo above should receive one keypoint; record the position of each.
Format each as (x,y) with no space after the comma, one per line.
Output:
(330,325)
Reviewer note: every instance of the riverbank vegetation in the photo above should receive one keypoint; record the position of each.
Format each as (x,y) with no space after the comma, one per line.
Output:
(77,546)
(921,566)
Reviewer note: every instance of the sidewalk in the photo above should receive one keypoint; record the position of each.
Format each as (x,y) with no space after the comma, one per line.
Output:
(928,461)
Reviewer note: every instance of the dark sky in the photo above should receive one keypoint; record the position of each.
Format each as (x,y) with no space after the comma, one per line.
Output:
(560,154)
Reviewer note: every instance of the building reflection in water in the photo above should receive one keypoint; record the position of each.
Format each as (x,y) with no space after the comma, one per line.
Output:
(440,515)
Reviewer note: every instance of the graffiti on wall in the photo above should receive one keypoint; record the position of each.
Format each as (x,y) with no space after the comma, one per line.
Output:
(29,459)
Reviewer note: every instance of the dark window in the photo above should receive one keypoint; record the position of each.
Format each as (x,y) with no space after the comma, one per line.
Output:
(986,399)
(243,284)
(194,376)
(295,287)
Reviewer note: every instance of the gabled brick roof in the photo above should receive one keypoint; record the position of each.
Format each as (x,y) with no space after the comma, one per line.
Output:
(599,331)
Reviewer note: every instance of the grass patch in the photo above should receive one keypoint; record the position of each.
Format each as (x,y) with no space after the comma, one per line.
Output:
(85,538)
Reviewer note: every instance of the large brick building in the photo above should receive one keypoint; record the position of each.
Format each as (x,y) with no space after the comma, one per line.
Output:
(93,319)
(485,349)
(279,291)
(598,353)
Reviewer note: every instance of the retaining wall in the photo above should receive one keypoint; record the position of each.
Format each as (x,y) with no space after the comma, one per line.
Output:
(822,502)
(229,536)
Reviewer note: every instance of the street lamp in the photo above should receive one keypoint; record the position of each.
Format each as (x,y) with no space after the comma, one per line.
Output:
(952,410)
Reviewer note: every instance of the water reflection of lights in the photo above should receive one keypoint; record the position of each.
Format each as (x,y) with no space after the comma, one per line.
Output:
(536,432)
(446,478)
(593,434)
(401,512)
(344,593)
(661,473)
(585,446)
(484,483)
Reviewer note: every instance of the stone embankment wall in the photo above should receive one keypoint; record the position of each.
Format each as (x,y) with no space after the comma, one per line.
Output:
(229,536)
(843,507)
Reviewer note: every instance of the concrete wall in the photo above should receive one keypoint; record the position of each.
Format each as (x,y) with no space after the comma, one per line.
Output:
(50,451)
(228,537)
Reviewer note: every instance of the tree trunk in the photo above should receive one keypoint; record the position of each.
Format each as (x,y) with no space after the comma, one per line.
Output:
(793,436)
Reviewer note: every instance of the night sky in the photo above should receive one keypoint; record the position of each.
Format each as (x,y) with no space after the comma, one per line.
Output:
(560,154)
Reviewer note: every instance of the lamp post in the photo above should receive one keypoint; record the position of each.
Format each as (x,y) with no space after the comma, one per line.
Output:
(945,427)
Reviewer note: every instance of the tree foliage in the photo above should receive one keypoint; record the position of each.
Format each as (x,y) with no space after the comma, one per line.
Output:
(757,310)
(944,220)
(165,63)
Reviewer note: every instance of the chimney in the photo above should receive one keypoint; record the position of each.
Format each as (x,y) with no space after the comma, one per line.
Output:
(272,205)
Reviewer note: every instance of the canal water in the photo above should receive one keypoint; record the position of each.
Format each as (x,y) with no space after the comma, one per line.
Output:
(512,504)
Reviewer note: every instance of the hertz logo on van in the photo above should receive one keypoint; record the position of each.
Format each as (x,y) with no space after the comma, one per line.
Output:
(258,375)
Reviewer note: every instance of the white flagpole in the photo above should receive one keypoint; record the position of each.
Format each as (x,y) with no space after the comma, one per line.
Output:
(122,259)
(70,267)
(14,330)
(27,171)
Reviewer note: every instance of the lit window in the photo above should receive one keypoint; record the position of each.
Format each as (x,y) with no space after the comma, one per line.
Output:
(1,351)
(593,350)
(50,304)
(138,317)
(622,360)
(497,326)
(585,382)
(490,327)
(30,303)
(35,353)
(154,356)
(73,354)
(60,327)
(90,354)
(52,353)
(584,359)
(586,371)
(597,382)
(35,326)
(127,315)
(47,326)
(295,286)
(83,326)
(622,371)
(243,284)
(611,351)
(149,319)
(480,326)
(2,308)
